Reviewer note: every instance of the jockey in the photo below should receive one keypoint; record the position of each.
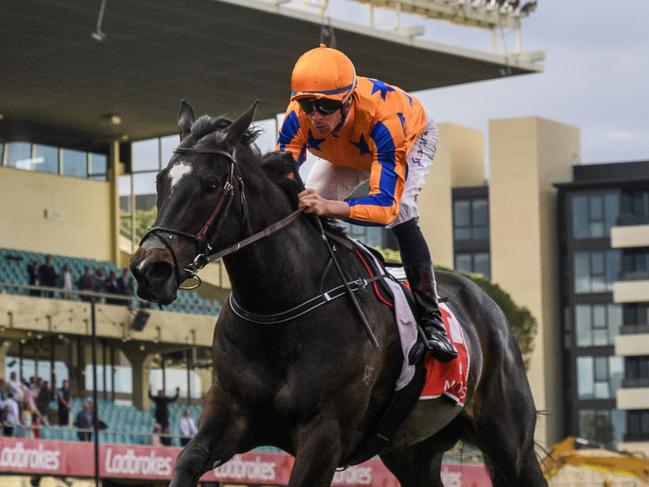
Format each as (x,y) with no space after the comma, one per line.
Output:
(364,129)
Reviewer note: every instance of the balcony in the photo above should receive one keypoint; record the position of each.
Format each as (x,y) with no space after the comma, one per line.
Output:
(635,329)
(644,437)
(634,398)
(630,236)
(633,290)
(632,345)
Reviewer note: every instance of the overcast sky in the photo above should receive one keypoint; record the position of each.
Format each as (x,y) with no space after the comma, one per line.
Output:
(596,73)
(596,77)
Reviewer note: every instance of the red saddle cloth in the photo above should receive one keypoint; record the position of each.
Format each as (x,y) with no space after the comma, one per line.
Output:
(450,378)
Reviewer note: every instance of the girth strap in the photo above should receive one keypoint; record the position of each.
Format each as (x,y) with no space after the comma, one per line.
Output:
(303,308)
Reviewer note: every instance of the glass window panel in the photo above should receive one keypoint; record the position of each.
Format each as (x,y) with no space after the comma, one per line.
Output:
(597,229)
(597,263)
(145,155)
(167,146)
(267,138)
(613,262)
(585,382)
(145,190)
(599,316)
(75,163)
(618,420)
(615,373)
(583,323)
(480,213)
(601,369)
(611,211)
(480,233)
(595,210)
(602,390)
(46,159)
(580,217)
(463,263)
(461,215)
(598,284)
(19,155)
(125,193)
(100,177)
(600,337)
(582,272)
(98,163)
(463,233)
(481,264)
(614,321)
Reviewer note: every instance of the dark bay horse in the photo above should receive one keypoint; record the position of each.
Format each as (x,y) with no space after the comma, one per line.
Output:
(314,385)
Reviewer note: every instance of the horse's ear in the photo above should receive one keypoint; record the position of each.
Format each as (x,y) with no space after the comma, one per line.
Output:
(185,119)
(240,125)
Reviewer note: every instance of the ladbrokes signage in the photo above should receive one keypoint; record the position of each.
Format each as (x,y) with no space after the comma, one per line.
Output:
(76,459)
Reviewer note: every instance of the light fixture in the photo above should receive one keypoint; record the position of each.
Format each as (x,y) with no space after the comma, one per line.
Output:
(98,34)
(111,120)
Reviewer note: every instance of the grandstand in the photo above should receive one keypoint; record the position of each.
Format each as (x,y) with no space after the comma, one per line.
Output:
(73,181)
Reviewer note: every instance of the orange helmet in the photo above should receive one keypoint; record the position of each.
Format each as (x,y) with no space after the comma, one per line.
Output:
(323,72)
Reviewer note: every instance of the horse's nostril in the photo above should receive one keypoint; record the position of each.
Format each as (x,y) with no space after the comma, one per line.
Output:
(160,271)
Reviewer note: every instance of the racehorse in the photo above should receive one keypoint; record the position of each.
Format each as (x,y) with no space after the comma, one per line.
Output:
(314,385)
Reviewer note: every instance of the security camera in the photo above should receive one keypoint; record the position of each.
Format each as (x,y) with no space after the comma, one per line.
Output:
(99,36)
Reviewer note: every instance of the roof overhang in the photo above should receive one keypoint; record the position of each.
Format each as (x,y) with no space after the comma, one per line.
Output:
(58,84)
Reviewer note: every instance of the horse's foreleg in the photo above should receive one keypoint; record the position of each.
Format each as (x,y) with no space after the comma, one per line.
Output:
(221,431)
(317,456)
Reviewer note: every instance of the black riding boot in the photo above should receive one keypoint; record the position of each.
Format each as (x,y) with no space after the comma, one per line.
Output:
(422,283)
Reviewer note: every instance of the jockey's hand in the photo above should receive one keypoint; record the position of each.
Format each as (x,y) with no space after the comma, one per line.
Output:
(315,204)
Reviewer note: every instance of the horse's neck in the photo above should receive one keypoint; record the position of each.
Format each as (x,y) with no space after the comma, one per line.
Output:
(279,271)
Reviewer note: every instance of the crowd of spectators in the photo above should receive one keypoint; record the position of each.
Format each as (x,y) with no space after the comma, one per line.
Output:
(44,274)
(25,407)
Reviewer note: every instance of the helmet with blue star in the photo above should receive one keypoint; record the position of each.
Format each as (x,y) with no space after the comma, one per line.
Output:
(323,72)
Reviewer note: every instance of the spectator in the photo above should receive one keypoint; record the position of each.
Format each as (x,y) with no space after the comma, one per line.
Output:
(11,415)
(47,275)
(187,427)
(43,399)
(34,279)
(155,437)
(112,287)
(27,415)
(124,283)
(86,283)
(15,387)
(84,421)
(99,282)
(66,282)
(161,412)
(64,403)
(3,390)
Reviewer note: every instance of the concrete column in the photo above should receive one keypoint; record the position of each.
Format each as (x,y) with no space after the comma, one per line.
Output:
(4,348)
(527,156)
(114,171)
(140,363)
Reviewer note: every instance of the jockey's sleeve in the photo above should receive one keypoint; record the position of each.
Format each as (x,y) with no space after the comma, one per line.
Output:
(387,175)
(292,137)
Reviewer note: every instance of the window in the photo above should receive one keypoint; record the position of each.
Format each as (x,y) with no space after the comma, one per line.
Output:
(594,215)
(597,324)
(145,155)
(75,163)
(471,219)
(595,272)
(372,236)
(473,262)
(636,367)
(599,377)
(635,208)
(636,314)
(635,264)
(46,159)
(98,166)
(602,425)
(638,424)
(19,155)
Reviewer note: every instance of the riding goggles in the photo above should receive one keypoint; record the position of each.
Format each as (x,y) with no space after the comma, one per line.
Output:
(323,106)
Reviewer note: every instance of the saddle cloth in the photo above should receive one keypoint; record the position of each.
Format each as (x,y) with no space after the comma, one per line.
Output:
(450,378)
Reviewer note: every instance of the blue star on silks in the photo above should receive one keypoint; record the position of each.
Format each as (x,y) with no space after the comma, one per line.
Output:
(313,143)
(409,97)
(362,145)
(402,120)
(378,85)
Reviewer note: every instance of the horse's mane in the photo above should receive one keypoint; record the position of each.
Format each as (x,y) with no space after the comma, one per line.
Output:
(282,170)
(206,125)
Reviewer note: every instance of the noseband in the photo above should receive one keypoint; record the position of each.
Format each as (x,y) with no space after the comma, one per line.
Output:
(204,249)
(200,239)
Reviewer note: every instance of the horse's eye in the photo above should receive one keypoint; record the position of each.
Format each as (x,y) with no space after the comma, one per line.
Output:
(211,188)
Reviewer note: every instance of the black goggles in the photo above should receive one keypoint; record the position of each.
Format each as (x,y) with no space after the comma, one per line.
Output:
(324,106)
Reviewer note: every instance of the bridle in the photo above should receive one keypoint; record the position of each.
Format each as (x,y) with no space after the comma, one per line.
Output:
(201,240)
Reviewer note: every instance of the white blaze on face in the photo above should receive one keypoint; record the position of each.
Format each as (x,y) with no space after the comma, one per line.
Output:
(179,171)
